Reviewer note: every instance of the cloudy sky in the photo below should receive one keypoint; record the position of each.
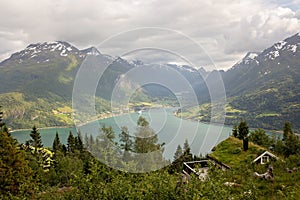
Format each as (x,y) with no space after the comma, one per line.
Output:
(224,29)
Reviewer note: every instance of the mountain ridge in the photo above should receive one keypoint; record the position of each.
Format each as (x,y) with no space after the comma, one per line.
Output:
(263,86)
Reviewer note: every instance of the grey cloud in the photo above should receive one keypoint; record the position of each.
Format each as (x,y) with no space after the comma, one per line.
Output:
(226,29)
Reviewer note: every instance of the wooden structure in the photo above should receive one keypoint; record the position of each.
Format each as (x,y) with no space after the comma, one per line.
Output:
(218,163)
(265,158)
(199,168)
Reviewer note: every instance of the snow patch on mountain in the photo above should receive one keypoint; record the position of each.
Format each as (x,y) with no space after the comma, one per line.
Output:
(248,59)
(34,50)
(273,54)
(280,45)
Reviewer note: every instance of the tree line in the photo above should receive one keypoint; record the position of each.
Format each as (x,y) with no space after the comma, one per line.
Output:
(71,171)
(287,145)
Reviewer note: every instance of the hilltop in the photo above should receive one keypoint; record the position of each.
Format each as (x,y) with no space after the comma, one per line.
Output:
(231,153)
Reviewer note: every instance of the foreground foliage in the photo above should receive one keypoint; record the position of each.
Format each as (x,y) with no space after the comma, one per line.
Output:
(75,174)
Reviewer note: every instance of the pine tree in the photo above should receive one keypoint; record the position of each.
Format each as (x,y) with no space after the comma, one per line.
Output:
(15,174)
(36,140)
(187,155)
(291,142)
(57,146)
(178,153)
(287,129)
(64,149)
(108,134)
(243,130)
(71,143)
(78,142)
(177,163)
(291,145)
(126,143)
(146,139)
(149,153)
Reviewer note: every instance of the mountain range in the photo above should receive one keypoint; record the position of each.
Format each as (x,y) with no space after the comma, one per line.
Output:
(36,85)
(263,88)
(266,85)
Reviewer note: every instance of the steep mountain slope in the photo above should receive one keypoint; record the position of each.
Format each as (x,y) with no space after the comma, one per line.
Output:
(36,83)
(263,88)
(275,65)
(267,86)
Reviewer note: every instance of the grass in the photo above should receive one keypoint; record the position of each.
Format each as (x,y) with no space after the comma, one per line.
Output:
(230,152)
(230,110)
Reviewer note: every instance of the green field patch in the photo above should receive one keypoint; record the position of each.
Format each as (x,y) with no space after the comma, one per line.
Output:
(268,115)
(73,63)
(231,110)
(65,109)
(63,78)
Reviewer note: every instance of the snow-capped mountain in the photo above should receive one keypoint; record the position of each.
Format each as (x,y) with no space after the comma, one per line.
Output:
(250,58)
(260,83)
(287,49)
(267,85)
(289,46)
(48,51)
(56,64)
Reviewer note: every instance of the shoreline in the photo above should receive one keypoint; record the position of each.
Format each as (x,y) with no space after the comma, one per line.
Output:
(71,126)
(80,124)
(279,132)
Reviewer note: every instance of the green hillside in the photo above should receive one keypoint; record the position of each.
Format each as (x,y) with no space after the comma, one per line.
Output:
(230,152)
(36,85)
(263,88)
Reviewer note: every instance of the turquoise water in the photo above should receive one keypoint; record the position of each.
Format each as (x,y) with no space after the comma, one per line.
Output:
(170,129)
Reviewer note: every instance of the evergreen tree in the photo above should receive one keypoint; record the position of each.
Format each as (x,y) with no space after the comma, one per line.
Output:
(287,129)
(291,142)
(36,140)
(15,174)
(146,139)
(149,151)
(177,163)
(243,130)
(64,149)
(104,147)
(291,145)
(178,153)
(187,155)
(78,142)
(126,143)
(71,143)
(57,146)
(108,133)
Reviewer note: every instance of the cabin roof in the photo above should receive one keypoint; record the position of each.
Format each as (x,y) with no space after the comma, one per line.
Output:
(263,154)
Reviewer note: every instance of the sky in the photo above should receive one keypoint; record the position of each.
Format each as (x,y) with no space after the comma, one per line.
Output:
(206,33)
